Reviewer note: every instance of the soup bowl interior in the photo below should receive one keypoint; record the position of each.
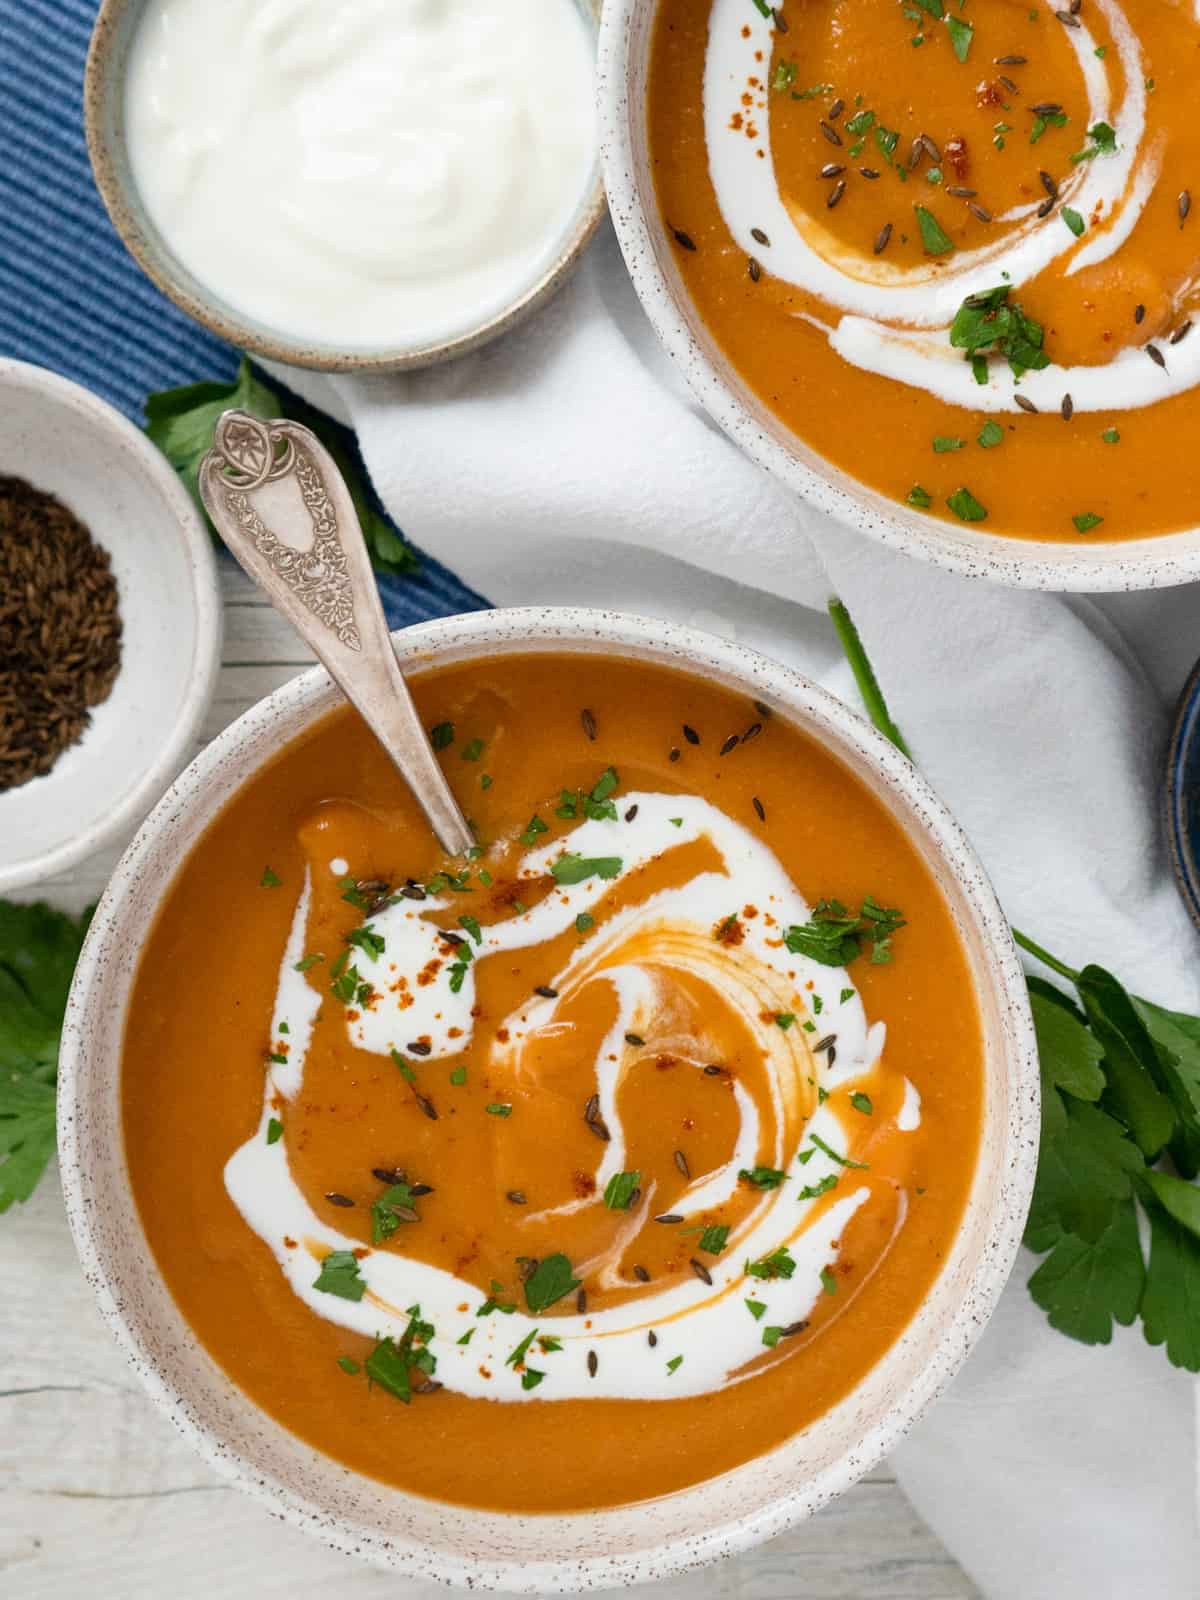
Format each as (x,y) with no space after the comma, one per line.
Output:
(551,1553)
(1094,565)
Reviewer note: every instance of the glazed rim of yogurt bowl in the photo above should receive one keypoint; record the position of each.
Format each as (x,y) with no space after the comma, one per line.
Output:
(104,124)
(1093,565)
(588,1550)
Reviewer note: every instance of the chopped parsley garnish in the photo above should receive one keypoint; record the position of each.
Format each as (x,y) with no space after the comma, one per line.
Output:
(965,506)
(674,1364)
(367,940)
(472,750)
(934,237)
(550,1280)
(339,1275)
(307,961)
(942,444)
(584,921)
(813,1191)
(862,1102)
(533,828)
(458,1076)
(756,1309)
(498,1109)
(572,868)
(348,1364)
(828,1281)
(472,927)
(835,936)
(269,879)
(780,1264)
(771,1336)
(403,1067)
(494,1303)
(784,1019)
(517,1354)
(1073,220)
(1111,436)
(442,735)
(991,434)
(919,497)
(714,1238)
(1085,521)
(396,1205)
(597,805)
(842,1161)
(389,1364)
(961,33)
(531,1377)
(990,322)
(1103,143)
(763,1177)
(274,1131)
(620,1189)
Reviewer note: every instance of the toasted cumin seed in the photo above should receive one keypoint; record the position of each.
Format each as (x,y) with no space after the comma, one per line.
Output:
(1068,17)
(546,992)
(752,732)
(1049,183)
(712,1071)
(593,1363)
(976,210)
(1067,408)
(1047,206)
(1181,333)
(405,1213)
(591,1107)
(631,813)
(960,193)
(684,240)
(754,269)
(832,169)
(760,237)
(336,1199)
(830,1056)
(517,1196)
(588,722)
(674,755)
(701,1271)
(682,1163)
(419,1189)
(758,808)
(792,1329)
(1046,108)
(1156,355)
(1009,61)
(1139,314)
(836,110)
(868,172)
(652,1338)
(670,1216)
(418,1047)
(1008,84)
(1185,205)
(1025,404)
(581,1302)
(827,1043)
(730,744)
(426,1105)
(914,154)
(930,149)
(388,1174)
(882,237)
(831,134)
(836,193)
(641,1274)
(690,734)
(635,1039)
(450,937)
(599,1127)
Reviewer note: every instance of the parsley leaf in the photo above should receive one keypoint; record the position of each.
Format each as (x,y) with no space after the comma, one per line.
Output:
(38,951)
(572,868)
(836,936)
(339,1275)
(620,1190)
(1084,1288)
(551,1279)
(990,322)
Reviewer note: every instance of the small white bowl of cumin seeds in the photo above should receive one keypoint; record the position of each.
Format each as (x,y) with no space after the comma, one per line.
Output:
(72,780)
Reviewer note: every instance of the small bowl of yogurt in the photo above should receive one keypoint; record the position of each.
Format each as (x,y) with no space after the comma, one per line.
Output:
(349,184)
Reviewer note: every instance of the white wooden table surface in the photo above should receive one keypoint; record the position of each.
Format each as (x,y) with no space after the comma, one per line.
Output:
(98,1495)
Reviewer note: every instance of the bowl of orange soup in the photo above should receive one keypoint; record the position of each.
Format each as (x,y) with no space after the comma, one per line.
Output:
(934,265)
(583,1209)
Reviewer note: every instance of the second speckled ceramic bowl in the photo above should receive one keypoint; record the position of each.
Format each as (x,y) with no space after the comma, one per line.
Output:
(541,1554)
(1091,565)
(104,120)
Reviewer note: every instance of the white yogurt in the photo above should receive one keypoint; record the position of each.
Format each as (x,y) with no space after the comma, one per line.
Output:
(363,173)
(636,951)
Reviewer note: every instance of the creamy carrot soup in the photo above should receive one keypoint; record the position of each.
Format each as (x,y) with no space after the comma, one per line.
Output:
(951,243)
(582,1169)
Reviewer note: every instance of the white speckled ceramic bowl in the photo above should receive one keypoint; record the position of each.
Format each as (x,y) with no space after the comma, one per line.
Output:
(1091,565)
(65,441)
(104,122)
(539,1554)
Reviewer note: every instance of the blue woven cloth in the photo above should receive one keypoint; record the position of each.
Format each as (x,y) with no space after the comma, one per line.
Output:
(71,298)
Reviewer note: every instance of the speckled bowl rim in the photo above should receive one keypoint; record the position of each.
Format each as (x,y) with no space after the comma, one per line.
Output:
(159,264)
(1009,1176)
(1100,565)
(204,598)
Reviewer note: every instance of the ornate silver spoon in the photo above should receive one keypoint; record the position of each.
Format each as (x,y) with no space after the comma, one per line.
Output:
(279,502)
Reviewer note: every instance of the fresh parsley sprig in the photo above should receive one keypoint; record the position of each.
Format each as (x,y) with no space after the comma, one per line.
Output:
(835,936)
(1120,1135)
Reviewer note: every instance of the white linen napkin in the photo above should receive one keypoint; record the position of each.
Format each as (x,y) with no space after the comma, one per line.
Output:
(566,464)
